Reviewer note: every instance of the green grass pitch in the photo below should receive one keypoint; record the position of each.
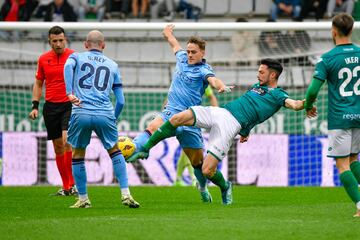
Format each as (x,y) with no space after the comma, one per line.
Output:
(177,213)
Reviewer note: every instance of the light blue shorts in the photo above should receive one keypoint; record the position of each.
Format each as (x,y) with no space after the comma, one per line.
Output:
(82,125)
(188,136)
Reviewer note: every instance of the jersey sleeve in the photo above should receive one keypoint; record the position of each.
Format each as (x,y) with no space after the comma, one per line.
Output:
(320,70)
(117,79)
(69,67)
(181,56)
(281,96)
(40,75)
(207,71)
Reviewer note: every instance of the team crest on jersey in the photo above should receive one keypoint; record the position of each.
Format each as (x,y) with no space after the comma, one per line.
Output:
(259,91)
(196,70)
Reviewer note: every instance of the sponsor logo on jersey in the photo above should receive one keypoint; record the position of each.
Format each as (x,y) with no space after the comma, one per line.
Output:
(259,91)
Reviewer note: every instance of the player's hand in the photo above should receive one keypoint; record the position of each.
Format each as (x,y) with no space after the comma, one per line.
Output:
(168,30)
(244,139)
(34,114)
(312,113)
(74,100)
(225,89)
(301,104)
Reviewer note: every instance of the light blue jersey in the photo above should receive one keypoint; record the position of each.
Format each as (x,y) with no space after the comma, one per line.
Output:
(188,83)
(91,76)
(96,75)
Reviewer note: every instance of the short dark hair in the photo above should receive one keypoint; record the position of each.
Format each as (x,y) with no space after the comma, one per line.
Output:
(344,23)
(273,64)
(198,41)
(56,30)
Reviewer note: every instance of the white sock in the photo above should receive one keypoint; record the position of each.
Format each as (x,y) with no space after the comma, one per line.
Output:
(83,197)
(358,205)
(125,192)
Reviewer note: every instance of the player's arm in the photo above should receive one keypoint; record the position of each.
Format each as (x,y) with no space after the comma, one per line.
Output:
(169,36)
(294,104)
(69,69)
(219,85)
(311,95)
(36,95)
(119,94)
(120,101)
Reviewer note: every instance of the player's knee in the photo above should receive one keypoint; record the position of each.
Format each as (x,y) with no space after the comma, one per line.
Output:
(208,172)
(342,164)
(175,120)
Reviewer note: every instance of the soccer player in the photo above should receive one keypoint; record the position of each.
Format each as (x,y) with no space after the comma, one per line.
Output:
(191,77)
(57,107)
(183,161)
(90,76)
(239,116)
(340,68)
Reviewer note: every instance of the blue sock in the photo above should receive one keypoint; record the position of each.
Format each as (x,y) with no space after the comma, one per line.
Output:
(79,172)
(141,139)
(120,169)
(200,177)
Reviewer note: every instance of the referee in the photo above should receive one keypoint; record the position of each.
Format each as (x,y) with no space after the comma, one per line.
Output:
(57,108)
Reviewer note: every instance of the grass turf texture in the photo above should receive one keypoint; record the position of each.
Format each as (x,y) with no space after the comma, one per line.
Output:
(177,213)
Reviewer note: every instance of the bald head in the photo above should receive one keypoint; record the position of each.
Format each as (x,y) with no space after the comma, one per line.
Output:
(95,40)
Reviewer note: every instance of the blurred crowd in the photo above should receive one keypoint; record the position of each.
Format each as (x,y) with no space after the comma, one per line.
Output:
(98,10)
(268,43)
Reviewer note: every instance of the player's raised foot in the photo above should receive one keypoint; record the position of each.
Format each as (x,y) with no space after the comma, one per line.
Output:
(129,201)
(206,196)
(226,195)
(82,203)
(73,191)
(357,214)
(61,192)
(138,155)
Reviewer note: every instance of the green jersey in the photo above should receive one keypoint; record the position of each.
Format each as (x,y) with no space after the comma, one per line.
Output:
(256,105)
(340,67)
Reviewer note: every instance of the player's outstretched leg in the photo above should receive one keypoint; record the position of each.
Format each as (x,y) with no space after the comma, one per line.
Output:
(140,140)
(166,130)
(144,154)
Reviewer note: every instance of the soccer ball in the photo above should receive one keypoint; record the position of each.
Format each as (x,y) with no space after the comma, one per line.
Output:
(126,146)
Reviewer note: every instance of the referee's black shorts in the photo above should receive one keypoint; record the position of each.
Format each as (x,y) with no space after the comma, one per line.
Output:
(56,118)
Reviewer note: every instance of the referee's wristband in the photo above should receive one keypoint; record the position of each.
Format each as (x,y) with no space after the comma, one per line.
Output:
(35,105)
